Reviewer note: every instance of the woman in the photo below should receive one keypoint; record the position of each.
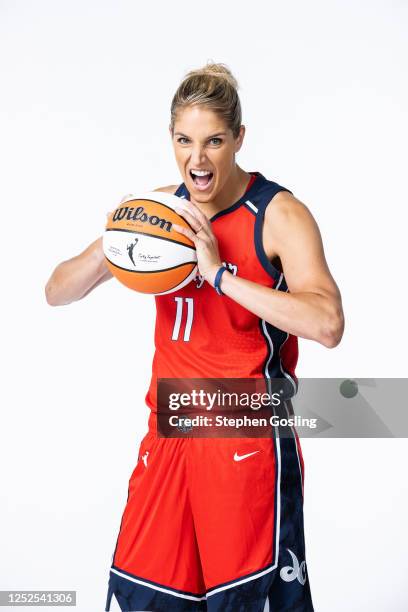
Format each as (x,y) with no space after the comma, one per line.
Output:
(217,524)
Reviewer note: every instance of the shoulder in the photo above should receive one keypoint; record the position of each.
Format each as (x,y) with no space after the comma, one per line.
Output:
(286,211)
(167,189)
(285,203)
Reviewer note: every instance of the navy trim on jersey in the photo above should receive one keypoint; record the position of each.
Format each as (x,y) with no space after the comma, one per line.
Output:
(181,191)
(261,202)
(260,251)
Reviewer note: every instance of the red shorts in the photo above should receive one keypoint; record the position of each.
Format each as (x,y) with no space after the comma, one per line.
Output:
(213,524)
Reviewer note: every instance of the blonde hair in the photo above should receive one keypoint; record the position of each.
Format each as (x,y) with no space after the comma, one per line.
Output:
(214,87)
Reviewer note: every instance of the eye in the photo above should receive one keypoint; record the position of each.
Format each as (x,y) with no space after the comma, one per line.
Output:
(182,138)
(219,140)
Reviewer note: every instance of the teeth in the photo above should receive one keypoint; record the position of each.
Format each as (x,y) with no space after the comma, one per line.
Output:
(200,172)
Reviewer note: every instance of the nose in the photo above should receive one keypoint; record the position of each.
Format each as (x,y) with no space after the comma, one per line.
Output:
(197,155)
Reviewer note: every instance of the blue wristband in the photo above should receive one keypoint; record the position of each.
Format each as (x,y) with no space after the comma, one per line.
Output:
(218,279)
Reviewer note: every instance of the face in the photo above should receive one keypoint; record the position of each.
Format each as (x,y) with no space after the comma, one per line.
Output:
(203,142)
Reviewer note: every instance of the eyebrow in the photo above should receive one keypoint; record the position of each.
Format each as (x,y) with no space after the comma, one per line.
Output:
(212,135)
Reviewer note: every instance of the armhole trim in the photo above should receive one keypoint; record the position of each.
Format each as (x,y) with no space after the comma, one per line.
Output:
(277,275)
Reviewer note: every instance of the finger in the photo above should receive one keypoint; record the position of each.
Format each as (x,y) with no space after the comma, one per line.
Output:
(190,218)
(198,213)
(186,231)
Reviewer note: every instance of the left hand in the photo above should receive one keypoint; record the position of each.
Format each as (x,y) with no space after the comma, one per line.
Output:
(206,244)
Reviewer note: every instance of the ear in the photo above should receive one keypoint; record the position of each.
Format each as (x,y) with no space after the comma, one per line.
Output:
(240,138)
(170,131)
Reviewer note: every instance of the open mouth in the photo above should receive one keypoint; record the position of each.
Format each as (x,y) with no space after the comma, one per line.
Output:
(201,180)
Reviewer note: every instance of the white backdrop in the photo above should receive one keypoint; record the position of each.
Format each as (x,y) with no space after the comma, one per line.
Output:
(84,108)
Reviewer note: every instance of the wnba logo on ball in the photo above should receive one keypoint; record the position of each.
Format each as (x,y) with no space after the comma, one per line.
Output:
(130,248)
(138,214)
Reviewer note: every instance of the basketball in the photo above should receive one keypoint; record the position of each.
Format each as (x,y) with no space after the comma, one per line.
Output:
(142,249)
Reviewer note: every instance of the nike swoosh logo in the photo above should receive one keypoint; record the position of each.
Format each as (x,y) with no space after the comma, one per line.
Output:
(240,457)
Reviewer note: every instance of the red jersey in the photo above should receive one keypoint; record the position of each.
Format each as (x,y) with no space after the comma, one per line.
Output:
(200,334)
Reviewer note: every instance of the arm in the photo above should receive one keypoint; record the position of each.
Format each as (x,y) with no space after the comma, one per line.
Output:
(313,308)
(75,278)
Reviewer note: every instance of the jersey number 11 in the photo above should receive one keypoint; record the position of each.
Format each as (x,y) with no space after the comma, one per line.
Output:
(179,314)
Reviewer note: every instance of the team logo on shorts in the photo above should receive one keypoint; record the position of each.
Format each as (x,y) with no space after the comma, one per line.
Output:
(298,571)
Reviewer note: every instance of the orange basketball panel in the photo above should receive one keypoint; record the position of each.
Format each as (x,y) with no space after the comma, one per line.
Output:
(152,282)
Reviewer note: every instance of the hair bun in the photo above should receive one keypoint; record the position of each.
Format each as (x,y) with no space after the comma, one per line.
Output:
(217,70)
